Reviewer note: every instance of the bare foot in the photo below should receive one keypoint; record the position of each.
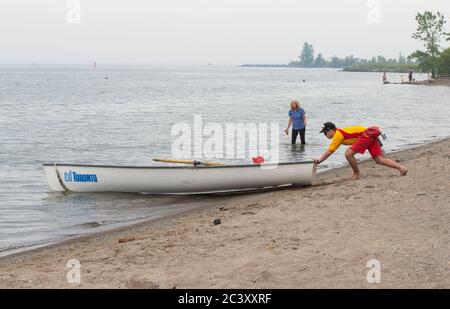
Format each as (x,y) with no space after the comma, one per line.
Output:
(404,171)
(355,177)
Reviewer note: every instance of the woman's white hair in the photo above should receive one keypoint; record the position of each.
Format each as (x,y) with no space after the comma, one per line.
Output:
(295,102)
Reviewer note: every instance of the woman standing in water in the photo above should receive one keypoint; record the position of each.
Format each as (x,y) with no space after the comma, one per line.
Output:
(297,118)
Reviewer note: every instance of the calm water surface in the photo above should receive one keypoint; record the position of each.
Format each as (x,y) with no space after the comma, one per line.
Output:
(124,115)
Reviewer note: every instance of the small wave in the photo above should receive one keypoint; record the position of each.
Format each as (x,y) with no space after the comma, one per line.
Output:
(89,225)
(103,223)
(13,249)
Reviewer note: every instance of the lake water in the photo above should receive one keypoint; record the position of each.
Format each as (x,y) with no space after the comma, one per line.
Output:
(124,115)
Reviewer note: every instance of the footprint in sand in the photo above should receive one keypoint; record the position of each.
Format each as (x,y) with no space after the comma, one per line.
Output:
(141,284)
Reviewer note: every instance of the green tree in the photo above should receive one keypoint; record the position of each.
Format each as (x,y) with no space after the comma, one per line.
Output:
(444,62)
(381,59)
(430,30)
(422,59)
(336,62)
(349,61)
(320,61)
(307,56)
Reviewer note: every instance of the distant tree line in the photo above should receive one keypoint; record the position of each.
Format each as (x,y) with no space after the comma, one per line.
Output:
(308,60)
(433,60)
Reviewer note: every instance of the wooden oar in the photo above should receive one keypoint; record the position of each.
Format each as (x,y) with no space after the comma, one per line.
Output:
(194,162)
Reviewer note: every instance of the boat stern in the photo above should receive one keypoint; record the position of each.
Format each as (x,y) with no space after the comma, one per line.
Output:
(53,179)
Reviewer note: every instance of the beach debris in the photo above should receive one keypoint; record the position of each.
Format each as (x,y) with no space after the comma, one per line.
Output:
(258,160)
(124,240)
(140,284)
(223,208)
(217,221)
(392,192)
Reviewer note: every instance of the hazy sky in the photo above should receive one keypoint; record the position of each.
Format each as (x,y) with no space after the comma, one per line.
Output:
(199,31)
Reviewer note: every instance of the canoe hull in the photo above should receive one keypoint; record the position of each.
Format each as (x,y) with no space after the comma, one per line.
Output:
(176,180)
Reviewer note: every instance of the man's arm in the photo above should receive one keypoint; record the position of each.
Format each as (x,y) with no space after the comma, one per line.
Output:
(325,156)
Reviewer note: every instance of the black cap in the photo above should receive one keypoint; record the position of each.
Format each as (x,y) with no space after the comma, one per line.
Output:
(328,126)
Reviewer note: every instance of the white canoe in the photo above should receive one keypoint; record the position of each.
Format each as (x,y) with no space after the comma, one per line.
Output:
(177,180)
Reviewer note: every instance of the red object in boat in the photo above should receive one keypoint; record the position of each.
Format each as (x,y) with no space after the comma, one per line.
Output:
(258,160)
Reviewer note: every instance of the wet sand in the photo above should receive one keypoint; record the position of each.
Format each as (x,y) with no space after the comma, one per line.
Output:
(433,82)
(317,237)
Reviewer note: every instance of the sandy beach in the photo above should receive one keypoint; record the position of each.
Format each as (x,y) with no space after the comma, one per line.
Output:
(316,237)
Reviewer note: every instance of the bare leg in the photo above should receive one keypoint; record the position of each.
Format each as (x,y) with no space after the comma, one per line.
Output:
(350,156)
(391,163)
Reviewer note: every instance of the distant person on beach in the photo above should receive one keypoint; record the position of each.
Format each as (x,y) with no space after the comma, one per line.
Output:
(385,78)
(297,118)
(361,139)
(410,76)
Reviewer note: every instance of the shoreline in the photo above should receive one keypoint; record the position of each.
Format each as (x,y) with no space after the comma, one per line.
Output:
(440,82)
(188,250)
(17,252)
(152,221)
(341,69)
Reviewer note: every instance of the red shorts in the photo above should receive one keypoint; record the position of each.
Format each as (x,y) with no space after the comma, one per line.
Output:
(368,141)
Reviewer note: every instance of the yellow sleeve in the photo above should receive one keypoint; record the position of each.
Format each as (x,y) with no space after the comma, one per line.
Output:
(337,140)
